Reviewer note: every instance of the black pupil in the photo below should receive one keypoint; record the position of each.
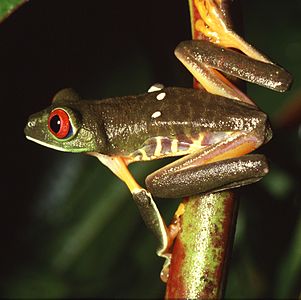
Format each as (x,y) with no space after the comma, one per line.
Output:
(55,124)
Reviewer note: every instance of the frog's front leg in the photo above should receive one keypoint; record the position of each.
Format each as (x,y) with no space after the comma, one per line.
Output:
(220,166)
(146,205)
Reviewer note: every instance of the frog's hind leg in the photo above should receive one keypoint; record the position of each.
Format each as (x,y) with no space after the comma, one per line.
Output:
(203,59)
(214,26)
(210,79)
(218,167)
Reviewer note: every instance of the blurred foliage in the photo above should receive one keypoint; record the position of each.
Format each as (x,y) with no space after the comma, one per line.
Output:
(70,228)
(8,6)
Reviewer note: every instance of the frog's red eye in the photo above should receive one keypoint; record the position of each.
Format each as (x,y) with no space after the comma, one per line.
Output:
(59,123)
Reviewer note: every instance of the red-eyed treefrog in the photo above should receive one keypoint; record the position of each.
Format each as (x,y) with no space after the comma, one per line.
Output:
(213,128)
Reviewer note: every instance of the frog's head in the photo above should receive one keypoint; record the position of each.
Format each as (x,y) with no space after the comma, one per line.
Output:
(64,125)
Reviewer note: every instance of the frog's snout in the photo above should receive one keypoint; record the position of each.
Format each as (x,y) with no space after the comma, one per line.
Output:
(31,123)
(35,127)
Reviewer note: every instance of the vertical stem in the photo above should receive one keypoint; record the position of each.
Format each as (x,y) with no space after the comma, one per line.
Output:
(199,260)
(200,254)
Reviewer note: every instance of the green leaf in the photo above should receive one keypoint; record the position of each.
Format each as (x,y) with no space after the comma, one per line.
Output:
(9,6)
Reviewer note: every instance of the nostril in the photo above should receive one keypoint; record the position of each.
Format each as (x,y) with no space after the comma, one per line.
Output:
(31,123)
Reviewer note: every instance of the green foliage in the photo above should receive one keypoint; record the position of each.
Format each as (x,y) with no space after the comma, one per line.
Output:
(8,6)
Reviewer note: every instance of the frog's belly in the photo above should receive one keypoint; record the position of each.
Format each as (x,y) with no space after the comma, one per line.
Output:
(160,146)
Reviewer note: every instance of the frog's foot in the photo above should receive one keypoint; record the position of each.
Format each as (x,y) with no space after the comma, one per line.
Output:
(154,221)
(152,218)
(203,59)
(172,230)
(214,27)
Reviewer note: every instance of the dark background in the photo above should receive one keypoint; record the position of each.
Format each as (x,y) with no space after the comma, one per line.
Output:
(69,228)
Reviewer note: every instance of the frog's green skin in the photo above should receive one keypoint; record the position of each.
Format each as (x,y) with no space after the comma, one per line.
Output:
(121,126)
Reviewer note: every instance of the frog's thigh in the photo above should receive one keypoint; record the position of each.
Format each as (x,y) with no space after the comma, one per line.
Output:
(225,174)
(218,167)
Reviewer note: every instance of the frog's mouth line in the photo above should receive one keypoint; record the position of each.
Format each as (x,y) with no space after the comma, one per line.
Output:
(45,144)
(56,147)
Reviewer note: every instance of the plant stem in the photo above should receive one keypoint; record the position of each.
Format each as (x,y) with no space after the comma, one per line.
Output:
(199,259)
(200,254)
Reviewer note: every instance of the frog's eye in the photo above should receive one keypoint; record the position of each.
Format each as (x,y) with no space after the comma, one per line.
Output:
(59,124)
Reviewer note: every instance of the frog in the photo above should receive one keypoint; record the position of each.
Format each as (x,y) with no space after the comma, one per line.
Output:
(213,128)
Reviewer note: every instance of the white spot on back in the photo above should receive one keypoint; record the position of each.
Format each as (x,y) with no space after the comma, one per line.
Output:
(161,96)
(155,87)
(156,114)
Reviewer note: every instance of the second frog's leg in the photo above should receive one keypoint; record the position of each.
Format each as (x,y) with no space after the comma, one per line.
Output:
(217,167)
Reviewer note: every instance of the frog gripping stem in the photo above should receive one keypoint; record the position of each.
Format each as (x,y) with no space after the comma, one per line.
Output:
(231,62)
(200,253)
(152,218)
(213,127)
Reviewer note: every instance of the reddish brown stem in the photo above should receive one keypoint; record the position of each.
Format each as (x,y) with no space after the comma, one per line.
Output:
(199,259)
(200,254)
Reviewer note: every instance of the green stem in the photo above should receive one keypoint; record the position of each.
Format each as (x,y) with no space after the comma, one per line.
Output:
(199,259)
